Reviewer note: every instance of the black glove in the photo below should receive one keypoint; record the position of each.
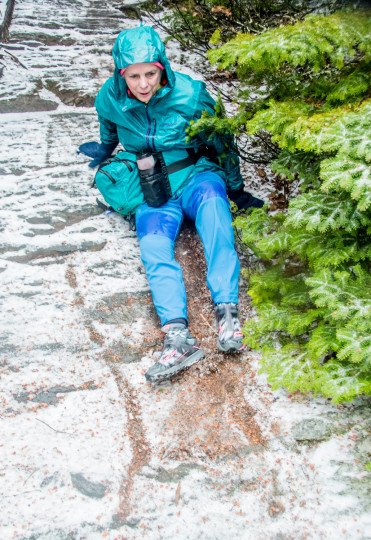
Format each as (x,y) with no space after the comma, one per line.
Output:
(98,151)
(244,200)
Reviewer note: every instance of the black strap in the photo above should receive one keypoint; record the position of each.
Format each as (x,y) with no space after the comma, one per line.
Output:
(192,158)
(181,164)
(130,218)
(104,206)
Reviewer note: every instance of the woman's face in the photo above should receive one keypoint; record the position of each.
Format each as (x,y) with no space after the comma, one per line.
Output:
(143,80)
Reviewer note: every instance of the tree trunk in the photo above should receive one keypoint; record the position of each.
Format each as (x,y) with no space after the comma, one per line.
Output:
(4,28)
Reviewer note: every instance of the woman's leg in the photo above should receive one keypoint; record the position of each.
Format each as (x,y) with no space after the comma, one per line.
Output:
(157,229)
(205,201)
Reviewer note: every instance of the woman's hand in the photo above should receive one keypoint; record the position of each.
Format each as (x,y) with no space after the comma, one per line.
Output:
(244,200)
(98,151)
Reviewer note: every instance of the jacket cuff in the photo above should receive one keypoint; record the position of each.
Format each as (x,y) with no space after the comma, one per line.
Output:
(234,193)
(109,147)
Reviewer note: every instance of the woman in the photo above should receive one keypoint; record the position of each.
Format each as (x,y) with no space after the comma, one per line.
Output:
(147,107)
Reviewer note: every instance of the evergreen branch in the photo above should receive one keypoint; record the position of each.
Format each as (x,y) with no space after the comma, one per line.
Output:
(316,41)
(312,290)
(324,212)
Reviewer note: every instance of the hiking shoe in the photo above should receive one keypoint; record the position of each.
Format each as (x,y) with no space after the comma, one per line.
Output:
(230,335)
(180,351)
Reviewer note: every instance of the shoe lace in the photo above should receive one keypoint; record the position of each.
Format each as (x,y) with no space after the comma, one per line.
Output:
(228,320)
(175,336)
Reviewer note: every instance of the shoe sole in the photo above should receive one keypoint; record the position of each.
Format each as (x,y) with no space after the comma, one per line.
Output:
(196,357)
(231,348)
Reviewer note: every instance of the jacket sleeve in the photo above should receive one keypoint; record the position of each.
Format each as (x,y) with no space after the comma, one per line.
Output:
(108,131)
(223,145)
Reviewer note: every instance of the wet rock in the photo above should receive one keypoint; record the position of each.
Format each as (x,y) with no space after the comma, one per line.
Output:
(95,490)
(360,488)
(312,429)
(117,522)
(6,346)
(123,353)
(130,12)
(363,449)
(23,104)
(123,307)
(164,476)
(344,469)
(88,229)
(44,396)
(5,248)
(57,251)
(54,479)
(26,294)
(42,38)
(41,231)
(70,96)
(47,480)
(52,347)
(132,522)
(53,535)
(276,443)
(60,219)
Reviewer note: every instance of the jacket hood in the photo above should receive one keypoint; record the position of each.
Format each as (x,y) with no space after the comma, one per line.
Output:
(138,45)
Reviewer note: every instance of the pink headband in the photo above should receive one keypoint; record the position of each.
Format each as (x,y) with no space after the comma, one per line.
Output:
(122,71)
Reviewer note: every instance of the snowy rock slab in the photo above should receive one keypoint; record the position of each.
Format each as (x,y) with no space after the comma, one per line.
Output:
(312,429)
(88,449)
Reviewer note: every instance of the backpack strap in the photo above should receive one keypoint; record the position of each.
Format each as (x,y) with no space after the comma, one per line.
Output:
(192,158)
(103,206)
(182,163)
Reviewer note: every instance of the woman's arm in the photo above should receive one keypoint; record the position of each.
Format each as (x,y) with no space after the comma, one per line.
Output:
(108,131)
(101,151)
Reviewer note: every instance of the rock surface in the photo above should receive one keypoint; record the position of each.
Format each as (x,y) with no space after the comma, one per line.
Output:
(89,450)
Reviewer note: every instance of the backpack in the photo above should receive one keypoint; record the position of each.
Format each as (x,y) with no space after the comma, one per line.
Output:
(117,179)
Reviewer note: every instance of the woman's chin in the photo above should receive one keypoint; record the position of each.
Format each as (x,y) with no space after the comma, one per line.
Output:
(144,97)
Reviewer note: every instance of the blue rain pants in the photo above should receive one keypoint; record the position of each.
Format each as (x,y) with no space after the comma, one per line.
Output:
(204,200)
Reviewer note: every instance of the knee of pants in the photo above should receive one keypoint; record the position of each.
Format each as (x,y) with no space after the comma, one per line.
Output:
(204,191)
(155,222)
(156,250)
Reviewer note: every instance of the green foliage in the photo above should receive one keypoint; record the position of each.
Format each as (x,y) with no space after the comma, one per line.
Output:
(353,85)
(292,367)
(313,43)
(313,292)
(301,165)
(317,212)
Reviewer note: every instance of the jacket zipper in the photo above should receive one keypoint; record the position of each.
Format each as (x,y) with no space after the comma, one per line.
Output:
(149,128)
(149,131)
(153,136)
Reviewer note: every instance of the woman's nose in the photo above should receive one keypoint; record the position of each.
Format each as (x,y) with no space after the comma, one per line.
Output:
(143,82)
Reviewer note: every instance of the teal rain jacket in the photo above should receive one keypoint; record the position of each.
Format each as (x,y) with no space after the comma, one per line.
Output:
(160,125)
